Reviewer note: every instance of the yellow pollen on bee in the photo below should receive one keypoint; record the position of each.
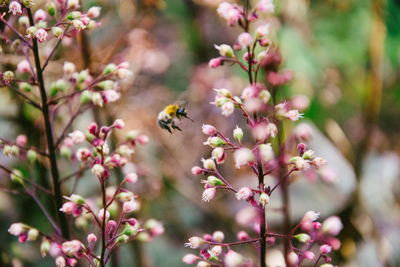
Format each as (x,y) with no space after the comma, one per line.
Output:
(171,110)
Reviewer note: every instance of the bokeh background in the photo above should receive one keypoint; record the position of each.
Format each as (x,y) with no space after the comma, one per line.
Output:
(345,57)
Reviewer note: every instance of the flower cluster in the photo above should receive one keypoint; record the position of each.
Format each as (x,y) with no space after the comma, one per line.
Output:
(269,155)
(38,31)
(113,218)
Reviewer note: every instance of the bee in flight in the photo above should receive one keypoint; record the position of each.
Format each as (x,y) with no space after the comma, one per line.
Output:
(167,117)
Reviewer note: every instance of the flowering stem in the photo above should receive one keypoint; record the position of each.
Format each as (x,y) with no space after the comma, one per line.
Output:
(103,224)
(316,262)
(263,242)
(49,135)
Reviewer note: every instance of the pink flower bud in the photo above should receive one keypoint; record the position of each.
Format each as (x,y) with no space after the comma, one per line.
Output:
(208,194)
(111,96)
(91,238)
(21,140)
(40,14)
(325,249)
(131,178)
(132,221)
(94,12)
(332,225)
(215,62)
(229,12)
(143,139)
(245,40)
(218,236)
(309,255)
(292,258)
(196,170)
(111,224)
(233,259)
(266,6)
(189,259)
(93,128)
(16,229)
(68,207)
(41,35)
(208,129)
(69,68)
(130,206)
(119,124)
(242,236)
(23,66)
(101,215)
(334,243)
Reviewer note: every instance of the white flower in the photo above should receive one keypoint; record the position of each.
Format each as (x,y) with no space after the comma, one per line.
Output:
(194,242)
(332,225)
(243,193)
(208,194)
(77,137)
(243,156)
(233,259)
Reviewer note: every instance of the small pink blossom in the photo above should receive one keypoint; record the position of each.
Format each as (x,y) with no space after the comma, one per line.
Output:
(243,156)
(332,225)
(245,40)
(68,207)
(215,62)
(309,255)
(94,12)
(21,140)
(23,66)
(196,170)
(242,236)
(229,12)
(91,238)
(208,129)
(131,178)
(130,206)
(266,6)
(325,249)
(40,14)
(190,259)
(111,96)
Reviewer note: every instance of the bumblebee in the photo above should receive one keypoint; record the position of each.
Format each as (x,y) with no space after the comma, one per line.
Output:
(167,117)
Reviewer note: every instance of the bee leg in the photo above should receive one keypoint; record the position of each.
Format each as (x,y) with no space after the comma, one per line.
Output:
(173,125)
(166,127)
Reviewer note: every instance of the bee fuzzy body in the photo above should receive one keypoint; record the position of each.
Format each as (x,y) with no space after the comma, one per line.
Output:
(167,117)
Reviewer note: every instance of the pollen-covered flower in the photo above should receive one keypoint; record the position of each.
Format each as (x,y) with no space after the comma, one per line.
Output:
(15,8)
(41,35)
